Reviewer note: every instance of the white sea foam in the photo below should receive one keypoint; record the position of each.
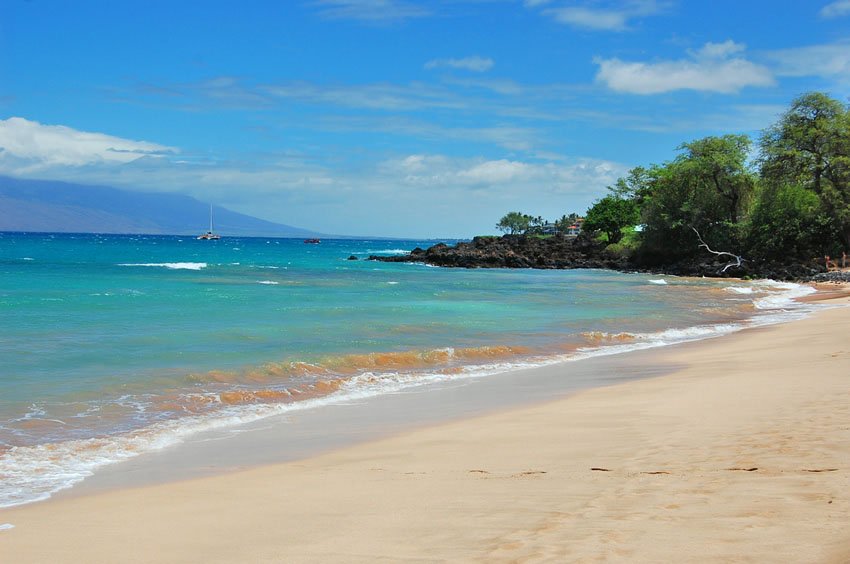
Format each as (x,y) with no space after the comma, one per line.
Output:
(32,473)
(392,282)
(740,289)
(268,282)
(783,296)
(659,281)
(388,252)
(27,258)
(171,265)
(6,526)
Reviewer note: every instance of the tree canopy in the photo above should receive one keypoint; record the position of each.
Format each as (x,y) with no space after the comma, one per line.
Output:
(810,147)
(791,203)
(610,215)
(514,222)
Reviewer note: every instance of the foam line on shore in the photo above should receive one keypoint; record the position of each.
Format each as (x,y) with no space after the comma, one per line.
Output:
(32,473)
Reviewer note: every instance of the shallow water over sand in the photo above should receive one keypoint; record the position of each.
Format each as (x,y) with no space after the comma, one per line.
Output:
(112,346)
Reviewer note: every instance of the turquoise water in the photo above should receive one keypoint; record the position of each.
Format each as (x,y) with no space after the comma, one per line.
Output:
(114,345)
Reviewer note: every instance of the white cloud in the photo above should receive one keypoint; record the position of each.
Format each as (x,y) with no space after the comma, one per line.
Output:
(318,193)
(718,50)
(591,19)
(615,18)
(836,9)
(495,172)
(371,10)
(511,137)
(473,63)
(30,145)
(380,96)
(829,60)
(709,70)
(501,174)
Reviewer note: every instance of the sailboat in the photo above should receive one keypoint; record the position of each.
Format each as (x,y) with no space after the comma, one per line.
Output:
(210,235)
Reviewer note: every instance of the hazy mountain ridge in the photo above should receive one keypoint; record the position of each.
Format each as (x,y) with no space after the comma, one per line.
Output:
(50,206)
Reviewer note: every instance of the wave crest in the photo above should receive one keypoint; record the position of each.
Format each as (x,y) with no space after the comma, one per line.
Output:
(170,265)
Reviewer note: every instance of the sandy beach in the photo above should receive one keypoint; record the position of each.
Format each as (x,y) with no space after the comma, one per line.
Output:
(740,454)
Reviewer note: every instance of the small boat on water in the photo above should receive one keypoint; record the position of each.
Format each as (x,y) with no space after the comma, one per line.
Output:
(312,241)
(209,235)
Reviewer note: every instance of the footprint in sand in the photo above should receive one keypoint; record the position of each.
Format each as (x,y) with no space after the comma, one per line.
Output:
(529,473)
(523,474)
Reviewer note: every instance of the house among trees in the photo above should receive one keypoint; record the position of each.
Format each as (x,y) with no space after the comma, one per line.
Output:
(548,228)
(520,223)
(574,229)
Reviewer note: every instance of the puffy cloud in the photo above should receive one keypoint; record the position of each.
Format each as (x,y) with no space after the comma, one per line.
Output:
(468,195)
(836,9)
(473,63)
(26,144)
(591,19)
(614,18)
(828,60)
(718,50)
(501,174)
(710,69)
(495,172)
(459,196)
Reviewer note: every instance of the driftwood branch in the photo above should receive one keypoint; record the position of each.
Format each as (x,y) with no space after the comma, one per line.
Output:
(739,261)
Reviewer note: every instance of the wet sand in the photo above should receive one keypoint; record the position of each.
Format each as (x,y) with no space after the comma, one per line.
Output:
(740,454)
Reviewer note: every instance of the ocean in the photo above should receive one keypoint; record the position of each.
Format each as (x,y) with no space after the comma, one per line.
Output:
(116,345)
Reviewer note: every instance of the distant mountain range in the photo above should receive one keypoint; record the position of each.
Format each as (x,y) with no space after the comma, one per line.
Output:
(61,207)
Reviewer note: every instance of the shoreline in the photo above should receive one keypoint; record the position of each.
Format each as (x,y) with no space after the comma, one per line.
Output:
(498,486)
(71,467)
(288,432)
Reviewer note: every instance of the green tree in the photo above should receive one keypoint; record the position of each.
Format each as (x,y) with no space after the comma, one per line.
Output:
(720,163)
(704,188)
(567,220)
(635,186)
(788,223)
(610,215)
(514,222)
(670,209)
(810,147)
(535,224)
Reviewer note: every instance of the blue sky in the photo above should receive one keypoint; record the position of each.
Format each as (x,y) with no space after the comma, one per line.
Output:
(396,117)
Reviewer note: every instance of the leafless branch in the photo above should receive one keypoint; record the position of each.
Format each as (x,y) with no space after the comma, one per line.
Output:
(739,261)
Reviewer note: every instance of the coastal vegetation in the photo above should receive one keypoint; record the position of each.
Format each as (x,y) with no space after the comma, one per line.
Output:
(787,202)
(776,207)
(513,223)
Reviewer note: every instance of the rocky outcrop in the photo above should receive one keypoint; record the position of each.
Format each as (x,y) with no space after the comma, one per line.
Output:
(560,252)
(837,276)
(514,251)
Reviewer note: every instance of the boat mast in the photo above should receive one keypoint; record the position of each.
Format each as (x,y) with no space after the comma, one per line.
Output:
(211,222)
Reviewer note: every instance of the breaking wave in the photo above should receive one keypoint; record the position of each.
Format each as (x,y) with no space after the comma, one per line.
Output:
(171,265)
(222,398)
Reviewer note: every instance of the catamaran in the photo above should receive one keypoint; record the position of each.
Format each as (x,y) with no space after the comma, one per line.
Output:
(210,235)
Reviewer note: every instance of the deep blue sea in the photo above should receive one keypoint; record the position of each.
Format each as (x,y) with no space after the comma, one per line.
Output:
(113,345)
